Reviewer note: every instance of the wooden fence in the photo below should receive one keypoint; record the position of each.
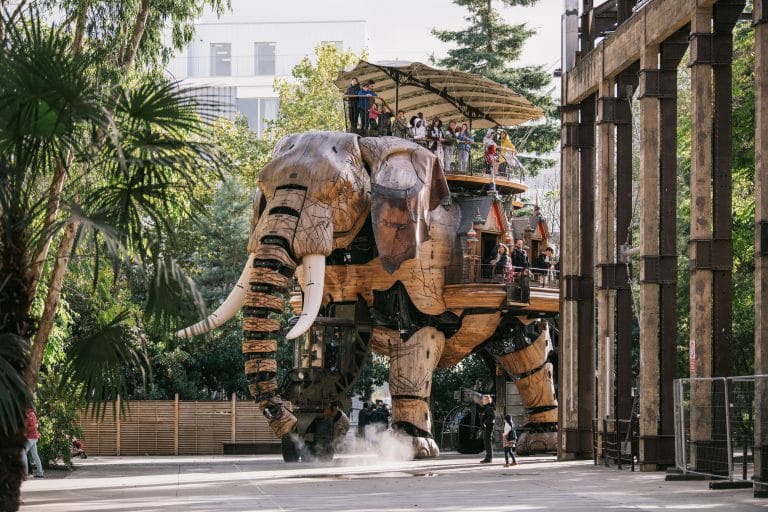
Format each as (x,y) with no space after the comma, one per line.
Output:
(175,427)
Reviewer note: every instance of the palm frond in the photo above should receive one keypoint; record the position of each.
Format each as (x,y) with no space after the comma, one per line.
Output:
(46,93)
(100,363)
(172,295)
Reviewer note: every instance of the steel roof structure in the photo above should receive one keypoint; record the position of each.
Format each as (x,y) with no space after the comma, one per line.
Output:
(414,87)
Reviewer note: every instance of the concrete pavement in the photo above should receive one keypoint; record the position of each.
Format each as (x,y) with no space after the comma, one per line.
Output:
(366,482)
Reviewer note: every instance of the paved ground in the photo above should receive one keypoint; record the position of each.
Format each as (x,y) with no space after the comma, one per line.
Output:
(365,482)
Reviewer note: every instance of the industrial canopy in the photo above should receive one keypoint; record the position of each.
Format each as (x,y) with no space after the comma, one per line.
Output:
(414,87)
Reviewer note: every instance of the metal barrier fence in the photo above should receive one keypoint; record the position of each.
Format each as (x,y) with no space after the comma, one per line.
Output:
(715,426)
(618,446)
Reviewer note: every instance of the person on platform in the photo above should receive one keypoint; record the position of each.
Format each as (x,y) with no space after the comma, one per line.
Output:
(364,104)
(464,138)
(500,261)
(543,261)
(489,150)
(449,145)
(352,90)
(520,257)
(400,125)
(487,419)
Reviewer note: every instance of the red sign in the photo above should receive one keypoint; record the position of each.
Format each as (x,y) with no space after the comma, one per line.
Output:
(692,357)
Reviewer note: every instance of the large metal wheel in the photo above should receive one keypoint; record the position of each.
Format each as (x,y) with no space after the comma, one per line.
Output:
(289,449)
(469,438)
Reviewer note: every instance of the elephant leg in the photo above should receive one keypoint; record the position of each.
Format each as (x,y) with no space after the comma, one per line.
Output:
(410,381)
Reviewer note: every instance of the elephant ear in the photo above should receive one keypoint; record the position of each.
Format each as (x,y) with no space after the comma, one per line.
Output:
(407,182)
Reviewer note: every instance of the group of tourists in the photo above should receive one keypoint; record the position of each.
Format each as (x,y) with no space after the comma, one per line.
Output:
(500,154)
(506,266)
(374,414)
(370,116)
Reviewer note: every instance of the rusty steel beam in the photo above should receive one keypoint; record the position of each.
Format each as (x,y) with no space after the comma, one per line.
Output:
(586,314)
(653,24)
(626,84)
(725,15)
(671,52)
(568,446)
(760,16)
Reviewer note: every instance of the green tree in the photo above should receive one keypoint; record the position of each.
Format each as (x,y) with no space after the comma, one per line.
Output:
(489,47)
(111,165)
(311,101)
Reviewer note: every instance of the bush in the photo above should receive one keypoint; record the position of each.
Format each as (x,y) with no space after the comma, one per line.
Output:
(57,412)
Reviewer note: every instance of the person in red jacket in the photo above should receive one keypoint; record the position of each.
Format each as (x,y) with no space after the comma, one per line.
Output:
(32,436)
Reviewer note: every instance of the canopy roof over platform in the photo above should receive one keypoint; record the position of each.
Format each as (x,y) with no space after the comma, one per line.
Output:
(414,87)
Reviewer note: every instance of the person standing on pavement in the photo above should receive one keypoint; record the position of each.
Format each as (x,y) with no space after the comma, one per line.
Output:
(487,418)
(32,436)
(510,441)
(339,422)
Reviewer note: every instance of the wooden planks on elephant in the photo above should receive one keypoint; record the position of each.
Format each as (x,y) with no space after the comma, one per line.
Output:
(423,277)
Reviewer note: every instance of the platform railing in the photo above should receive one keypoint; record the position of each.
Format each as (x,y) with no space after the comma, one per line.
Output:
(470,272)
(476,164)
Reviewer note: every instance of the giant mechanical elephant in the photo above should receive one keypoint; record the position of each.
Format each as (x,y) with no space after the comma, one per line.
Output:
(367,222)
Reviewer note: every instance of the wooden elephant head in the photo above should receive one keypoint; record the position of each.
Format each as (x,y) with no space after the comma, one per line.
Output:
(407,182)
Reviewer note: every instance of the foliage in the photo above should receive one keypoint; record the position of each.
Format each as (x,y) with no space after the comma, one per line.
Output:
(100,164)
(487,47)
(246,152)
(110,24)
(57,413)
(447,380)
(374,374)
(311,101)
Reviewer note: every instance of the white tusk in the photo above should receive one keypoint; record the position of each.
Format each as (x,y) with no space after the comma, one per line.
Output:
(228,308)
(314,279)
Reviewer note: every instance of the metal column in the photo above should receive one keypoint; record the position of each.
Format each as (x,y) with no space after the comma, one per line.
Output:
(649,200)
(626,84)
(586,305)
(761,247)
(576,388)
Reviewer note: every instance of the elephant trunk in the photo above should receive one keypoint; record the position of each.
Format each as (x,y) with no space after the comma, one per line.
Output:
(289,233)
(270,276)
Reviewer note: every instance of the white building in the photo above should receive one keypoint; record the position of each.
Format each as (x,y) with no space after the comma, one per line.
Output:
(237,57)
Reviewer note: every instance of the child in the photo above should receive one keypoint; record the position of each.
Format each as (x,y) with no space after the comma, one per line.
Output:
(510,441)
(373,116)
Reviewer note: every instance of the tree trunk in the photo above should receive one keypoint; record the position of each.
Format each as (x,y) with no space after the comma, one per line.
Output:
(10,470)
(51,212)
(129,53)
(51,303)
(15,303)
(77,44)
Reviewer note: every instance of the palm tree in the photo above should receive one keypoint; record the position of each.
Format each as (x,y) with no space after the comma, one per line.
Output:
(84,161)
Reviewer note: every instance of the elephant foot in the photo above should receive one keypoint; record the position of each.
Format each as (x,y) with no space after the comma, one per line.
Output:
(280,420)
(423,446)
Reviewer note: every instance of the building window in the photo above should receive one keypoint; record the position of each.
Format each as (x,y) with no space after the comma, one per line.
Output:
(258,111)
(264,63)
(221,59)
(338,44)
